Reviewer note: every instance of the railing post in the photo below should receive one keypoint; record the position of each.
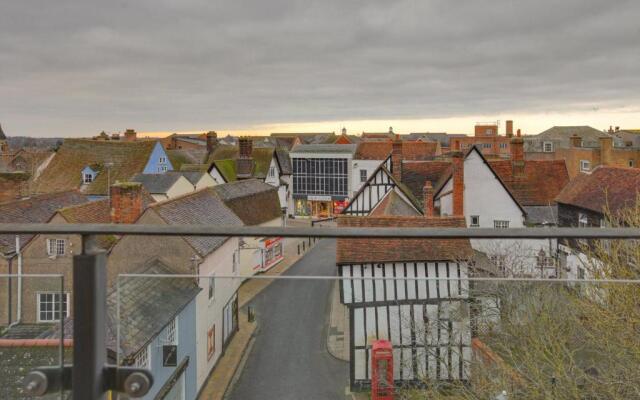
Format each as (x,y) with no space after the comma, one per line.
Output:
(89,308)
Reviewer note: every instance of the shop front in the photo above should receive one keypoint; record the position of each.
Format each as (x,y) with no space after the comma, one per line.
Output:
(272,252)
(319,207)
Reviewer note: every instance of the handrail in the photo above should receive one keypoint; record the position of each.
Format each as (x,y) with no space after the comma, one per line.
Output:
(325,232)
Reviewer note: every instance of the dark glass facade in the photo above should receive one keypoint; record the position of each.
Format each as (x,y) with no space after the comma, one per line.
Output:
(320,177)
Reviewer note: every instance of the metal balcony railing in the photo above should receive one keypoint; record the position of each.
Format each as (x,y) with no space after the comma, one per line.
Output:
(90,377)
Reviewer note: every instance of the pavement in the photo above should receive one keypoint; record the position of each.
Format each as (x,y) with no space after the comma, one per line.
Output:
(289,358)
(338,333)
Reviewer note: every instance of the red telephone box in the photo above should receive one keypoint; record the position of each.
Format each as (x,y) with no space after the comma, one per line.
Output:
(381,370)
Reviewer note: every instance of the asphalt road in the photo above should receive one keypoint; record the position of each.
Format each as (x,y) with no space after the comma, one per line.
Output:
(289,359)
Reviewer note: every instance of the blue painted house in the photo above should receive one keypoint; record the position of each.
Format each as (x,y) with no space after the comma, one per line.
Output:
(158,330)
(91,166)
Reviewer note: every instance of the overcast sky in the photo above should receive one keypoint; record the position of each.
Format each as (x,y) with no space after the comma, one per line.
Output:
(78,67)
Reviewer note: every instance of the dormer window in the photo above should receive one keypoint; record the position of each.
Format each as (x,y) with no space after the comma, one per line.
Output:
(87,178)
(547,147)
(88,175)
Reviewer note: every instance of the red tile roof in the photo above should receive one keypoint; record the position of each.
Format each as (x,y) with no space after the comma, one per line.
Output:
(410,150)
(616,187)
(364,250)
(415,174)
(541,182)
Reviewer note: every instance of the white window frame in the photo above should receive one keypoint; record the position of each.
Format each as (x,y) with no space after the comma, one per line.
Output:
(55,303)
(162,160)
(477,223)
(272,172)
(363,176)
(87,177)
(503,145)
(164,168)
(544,147)
(583,220)
(59,247)
(585,165)
(143,358)
(172,332)
(500,224)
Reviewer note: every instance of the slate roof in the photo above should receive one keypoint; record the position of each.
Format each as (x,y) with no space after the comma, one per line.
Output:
(616,187)
(253,201)
(192,176)
(308,137)
(562,134)
(63,172)
(325,148)
(36,209)
(156,183)
(147,305)
(365,250)
(539,215)
(284,161)
(203,207)
(410,150)
(541,183)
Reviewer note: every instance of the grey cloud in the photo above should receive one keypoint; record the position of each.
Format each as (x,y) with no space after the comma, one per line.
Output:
(75,67)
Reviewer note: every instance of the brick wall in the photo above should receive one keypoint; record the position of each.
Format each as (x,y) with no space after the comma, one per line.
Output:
(126,202)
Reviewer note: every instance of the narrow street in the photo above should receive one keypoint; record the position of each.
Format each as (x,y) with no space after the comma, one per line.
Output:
(289,359)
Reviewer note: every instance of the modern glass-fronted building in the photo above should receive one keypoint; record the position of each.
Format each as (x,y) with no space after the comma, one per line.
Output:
(321,179)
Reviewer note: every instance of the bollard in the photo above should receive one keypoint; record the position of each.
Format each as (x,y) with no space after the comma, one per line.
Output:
(303,244)
(298,248)
(251,315)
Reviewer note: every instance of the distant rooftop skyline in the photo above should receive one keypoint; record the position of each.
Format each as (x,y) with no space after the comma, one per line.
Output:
(71,68)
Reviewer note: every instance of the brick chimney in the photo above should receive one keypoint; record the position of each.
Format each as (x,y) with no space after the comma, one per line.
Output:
(130,135)
(517,154)
(126,202)
(212,141)
(457,159)
(509,128)
(576,141)
(396,158)
(246,147)
(606,148)
(427,193)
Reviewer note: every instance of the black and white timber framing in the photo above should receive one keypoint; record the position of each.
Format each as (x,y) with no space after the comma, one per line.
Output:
(375,189)
(427,321)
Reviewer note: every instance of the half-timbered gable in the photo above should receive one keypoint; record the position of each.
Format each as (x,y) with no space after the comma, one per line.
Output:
(376,189)
(412,292)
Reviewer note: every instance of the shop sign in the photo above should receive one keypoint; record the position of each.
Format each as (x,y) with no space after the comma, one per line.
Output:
(319,198)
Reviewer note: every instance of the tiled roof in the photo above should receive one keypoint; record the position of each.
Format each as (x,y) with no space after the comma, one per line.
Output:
(63,172)
(416,173)
(410,150)
(253,201)
(540,183)
(393,204)
(366,250)
(613,186)
(203,207)
(148,305)
(37,209)
(324,148)
(156,183)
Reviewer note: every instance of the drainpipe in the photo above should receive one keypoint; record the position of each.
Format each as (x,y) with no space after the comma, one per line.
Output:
(19,294)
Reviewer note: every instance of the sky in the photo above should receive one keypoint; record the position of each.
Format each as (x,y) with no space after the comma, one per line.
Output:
(75,68)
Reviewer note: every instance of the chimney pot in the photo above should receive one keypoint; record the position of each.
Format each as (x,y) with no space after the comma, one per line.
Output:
(130,135)
(344,130)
